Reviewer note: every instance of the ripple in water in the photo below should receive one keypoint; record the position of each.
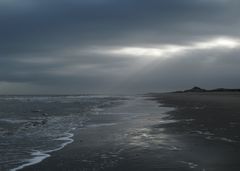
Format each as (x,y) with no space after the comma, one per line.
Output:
(28,135)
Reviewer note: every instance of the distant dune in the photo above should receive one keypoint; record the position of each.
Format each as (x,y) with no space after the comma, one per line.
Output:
(198,89)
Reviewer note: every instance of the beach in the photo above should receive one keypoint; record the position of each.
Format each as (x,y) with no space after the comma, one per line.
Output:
(198,131)
(168,131)
(208,125)
(121,138)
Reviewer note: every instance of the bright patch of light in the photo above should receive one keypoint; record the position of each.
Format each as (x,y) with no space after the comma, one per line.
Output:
(154,52)
(137,51)
(171,50)
(218,43)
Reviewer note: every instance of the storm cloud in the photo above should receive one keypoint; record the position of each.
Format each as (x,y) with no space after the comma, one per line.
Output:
(110,46)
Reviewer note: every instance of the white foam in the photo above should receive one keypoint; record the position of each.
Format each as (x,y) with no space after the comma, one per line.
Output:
(221,139)
(204,133)
(100,125)
(226,139)
(191,165)
(97,110)
(168,121)
(39,156)
(13,121)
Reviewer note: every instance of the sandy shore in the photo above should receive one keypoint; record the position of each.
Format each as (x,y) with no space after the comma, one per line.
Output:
(201,134)
(122,138)
(208,125)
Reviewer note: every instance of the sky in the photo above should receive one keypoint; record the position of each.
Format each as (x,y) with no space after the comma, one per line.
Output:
(118,46)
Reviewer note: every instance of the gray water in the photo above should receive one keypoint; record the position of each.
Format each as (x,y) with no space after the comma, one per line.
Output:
(31,127)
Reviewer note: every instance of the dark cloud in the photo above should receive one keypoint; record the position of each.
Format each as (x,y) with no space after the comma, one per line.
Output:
(50,45)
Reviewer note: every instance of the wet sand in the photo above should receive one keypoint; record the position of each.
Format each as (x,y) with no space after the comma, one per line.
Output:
(201,133)
(208,126)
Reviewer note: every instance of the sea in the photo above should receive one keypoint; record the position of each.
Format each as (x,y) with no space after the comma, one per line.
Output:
(32,127)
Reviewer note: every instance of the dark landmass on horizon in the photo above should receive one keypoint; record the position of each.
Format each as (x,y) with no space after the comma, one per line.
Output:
(198,89)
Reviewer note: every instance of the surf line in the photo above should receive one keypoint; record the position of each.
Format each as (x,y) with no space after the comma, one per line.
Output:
(39,156)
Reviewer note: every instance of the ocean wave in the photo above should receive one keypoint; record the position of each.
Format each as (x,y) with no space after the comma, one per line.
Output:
(13,121)
(221,139)
(39,156)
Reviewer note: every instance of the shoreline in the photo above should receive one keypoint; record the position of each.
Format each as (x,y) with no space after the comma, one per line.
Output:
(39,156)
(111,146)
(196,131)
